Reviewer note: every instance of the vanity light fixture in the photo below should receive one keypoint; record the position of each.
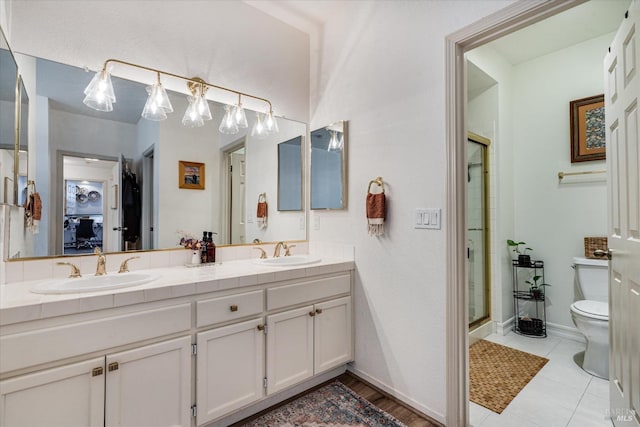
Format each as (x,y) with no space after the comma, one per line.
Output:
(100,96)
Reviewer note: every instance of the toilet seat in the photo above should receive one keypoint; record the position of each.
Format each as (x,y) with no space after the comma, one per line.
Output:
(591,309)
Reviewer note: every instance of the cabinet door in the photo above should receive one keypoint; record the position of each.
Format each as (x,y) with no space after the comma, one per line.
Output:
(71,395)
(289,348)
(230,369)
(332,339)
(150,386)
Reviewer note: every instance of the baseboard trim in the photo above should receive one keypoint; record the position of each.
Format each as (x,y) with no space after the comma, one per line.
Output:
(401,397)
(562,331)
(482,332)
(505,327)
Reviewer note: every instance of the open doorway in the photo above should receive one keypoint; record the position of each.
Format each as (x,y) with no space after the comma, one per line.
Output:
(234,184)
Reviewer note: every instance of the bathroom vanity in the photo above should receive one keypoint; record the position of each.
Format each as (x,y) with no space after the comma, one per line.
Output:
(189,348)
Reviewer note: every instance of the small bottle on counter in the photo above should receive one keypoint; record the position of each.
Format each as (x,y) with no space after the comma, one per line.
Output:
(211,248)
(204,249)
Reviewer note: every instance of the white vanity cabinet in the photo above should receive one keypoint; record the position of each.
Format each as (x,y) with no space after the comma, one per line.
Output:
(308,340)
(146,386)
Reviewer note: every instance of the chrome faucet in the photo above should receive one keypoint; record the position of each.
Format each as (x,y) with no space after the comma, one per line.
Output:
(101,267)
(75,271)
(276,251)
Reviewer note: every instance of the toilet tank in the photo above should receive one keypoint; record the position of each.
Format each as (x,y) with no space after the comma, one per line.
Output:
(592,278)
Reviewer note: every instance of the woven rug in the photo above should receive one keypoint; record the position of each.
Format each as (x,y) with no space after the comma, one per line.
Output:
(498,373)
(333,405)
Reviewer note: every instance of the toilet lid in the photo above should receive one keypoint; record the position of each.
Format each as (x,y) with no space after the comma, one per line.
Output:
(595,309)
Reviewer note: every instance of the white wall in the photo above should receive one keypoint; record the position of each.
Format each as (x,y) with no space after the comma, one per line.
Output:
(382,68)
(552,216)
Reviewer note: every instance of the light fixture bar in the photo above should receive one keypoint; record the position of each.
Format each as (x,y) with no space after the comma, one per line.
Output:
(187,79)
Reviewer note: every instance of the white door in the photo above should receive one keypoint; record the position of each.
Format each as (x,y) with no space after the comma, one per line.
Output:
(230,369)
(332,335)
(71,395)
(238,197)
(289,348)
(150,386)
(622,88)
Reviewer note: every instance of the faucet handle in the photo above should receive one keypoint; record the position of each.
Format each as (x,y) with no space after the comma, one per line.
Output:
(263,254)
(97,251)
(75,271)
(124,267)
(287,249)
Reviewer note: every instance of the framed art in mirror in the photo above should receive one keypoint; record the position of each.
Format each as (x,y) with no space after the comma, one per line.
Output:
(191,175)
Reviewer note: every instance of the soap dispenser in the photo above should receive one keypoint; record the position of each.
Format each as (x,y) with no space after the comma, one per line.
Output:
(211,248)
(204,249)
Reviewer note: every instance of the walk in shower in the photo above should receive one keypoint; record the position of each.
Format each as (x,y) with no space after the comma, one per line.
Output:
(478,230)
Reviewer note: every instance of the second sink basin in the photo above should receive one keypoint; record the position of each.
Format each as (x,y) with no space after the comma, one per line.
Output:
(288,261)
(92,283)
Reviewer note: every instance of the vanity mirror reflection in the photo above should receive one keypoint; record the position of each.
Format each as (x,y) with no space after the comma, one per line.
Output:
(8,100)
(152,151)
(290,174)
(329,166)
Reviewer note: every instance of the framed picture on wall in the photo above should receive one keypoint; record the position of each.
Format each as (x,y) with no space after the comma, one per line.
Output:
(587,129)
(191,175)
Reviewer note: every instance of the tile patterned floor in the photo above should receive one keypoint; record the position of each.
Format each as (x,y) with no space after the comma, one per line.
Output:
(561,394)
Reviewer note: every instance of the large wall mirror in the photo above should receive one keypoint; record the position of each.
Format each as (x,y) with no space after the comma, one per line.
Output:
(84,159)
(329,166)
(8,102)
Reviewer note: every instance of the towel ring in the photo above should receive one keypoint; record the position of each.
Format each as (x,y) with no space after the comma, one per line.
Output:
(262,197)
(377,181)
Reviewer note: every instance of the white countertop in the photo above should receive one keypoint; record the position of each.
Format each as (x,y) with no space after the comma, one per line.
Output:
(19,304)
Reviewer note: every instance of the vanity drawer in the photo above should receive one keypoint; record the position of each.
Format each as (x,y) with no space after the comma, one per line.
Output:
(300,293)
(224,309)
(45,345)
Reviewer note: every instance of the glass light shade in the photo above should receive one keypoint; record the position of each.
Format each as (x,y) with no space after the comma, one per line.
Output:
(191,117)
(161,98)
(259,130)
(203,108)
(152,108)
(334,143)
(228,124)
(271,124)
(99,93)
(240,117)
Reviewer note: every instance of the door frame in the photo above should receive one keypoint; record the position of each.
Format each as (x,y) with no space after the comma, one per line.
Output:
(225,183)
(505,21)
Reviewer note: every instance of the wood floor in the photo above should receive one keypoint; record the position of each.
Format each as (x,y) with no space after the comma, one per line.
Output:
(408,416)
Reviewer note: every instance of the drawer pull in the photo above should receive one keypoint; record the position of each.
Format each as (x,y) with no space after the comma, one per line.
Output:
(312,313)
(260,327)
(113,366)
(318,310)
(96,372)
(233,307)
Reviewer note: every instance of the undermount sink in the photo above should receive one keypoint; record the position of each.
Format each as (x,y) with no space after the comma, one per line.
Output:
(288,261)
(92,283)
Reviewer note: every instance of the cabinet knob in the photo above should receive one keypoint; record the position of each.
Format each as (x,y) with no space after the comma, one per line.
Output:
(97,371)
(312,313)
(113,366)
(260,327)
(318,310)
(233,307)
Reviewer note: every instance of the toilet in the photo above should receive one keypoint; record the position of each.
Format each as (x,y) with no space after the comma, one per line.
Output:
(590,314)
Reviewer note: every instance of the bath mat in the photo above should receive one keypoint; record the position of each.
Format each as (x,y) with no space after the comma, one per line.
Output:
(333,405)
(498,373)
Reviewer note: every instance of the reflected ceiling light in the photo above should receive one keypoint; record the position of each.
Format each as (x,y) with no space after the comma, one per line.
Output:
(334,142)
(100,96)
(99,93)
(192,117)
(239,116)
(228,124)
(259,130)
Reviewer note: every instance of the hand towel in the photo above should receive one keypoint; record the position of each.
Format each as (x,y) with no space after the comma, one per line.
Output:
(376,208)
(33,212)
(262,211)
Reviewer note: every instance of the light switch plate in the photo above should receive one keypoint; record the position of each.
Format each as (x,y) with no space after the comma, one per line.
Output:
(429,218)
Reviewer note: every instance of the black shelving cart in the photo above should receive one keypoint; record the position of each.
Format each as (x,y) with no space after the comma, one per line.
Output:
(529,307)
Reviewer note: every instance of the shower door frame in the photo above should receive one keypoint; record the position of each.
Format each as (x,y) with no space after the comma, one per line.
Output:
(486,143)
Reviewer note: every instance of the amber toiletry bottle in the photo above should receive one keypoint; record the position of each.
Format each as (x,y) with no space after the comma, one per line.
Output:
(204,250)
(211,248)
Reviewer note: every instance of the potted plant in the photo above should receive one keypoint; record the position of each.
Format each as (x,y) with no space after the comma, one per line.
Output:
(524,260)
(536,290)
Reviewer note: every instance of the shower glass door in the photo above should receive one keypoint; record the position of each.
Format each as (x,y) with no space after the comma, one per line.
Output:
(477,223)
